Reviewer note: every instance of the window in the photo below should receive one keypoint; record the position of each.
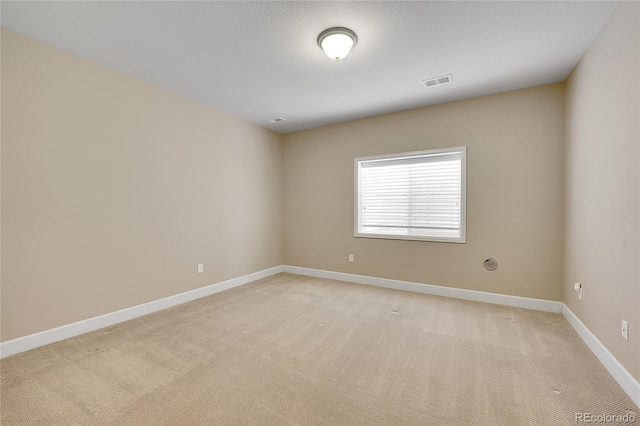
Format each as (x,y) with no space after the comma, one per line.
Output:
(412,196)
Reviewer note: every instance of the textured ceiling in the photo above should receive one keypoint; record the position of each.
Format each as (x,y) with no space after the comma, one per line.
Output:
(260,60)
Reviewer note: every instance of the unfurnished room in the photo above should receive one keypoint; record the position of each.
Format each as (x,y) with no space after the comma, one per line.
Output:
(320,213)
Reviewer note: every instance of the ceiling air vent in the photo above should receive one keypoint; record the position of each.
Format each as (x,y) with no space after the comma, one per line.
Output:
(438,80)
(276,120)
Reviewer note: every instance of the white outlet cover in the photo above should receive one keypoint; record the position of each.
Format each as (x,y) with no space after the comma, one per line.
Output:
(580,293)
(625,330)
(200,268)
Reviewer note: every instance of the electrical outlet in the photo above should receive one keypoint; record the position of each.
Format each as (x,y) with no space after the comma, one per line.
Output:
(625,330)
(200,268)
(351,258)
(578,288)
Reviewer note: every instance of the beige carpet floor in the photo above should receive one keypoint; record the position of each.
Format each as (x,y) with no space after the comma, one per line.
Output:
(296,350)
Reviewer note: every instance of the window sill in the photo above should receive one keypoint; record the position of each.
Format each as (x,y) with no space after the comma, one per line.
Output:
(458,240)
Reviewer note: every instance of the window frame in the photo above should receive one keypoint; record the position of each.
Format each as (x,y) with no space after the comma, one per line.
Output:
(463,195)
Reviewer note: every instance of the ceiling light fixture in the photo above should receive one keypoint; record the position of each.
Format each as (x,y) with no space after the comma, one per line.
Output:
(337,42)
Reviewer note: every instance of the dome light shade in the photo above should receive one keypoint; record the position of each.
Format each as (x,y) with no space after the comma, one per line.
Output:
(337,42)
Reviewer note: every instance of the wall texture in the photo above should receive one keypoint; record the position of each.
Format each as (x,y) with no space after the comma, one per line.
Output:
(602,204)
(514,194)
(113,191)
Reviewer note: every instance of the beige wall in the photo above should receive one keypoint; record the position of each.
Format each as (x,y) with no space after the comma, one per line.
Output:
(113,191)
(514,194)
(602,214)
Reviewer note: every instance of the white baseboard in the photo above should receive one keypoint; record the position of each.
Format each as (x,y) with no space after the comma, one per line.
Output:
(456,293)
(32,341)
(626,381)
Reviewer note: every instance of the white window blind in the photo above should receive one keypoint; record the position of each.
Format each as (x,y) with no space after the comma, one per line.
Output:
(412,196)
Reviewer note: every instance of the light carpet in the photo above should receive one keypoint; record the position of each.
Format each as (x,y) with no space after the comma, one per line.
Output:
(294,350)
